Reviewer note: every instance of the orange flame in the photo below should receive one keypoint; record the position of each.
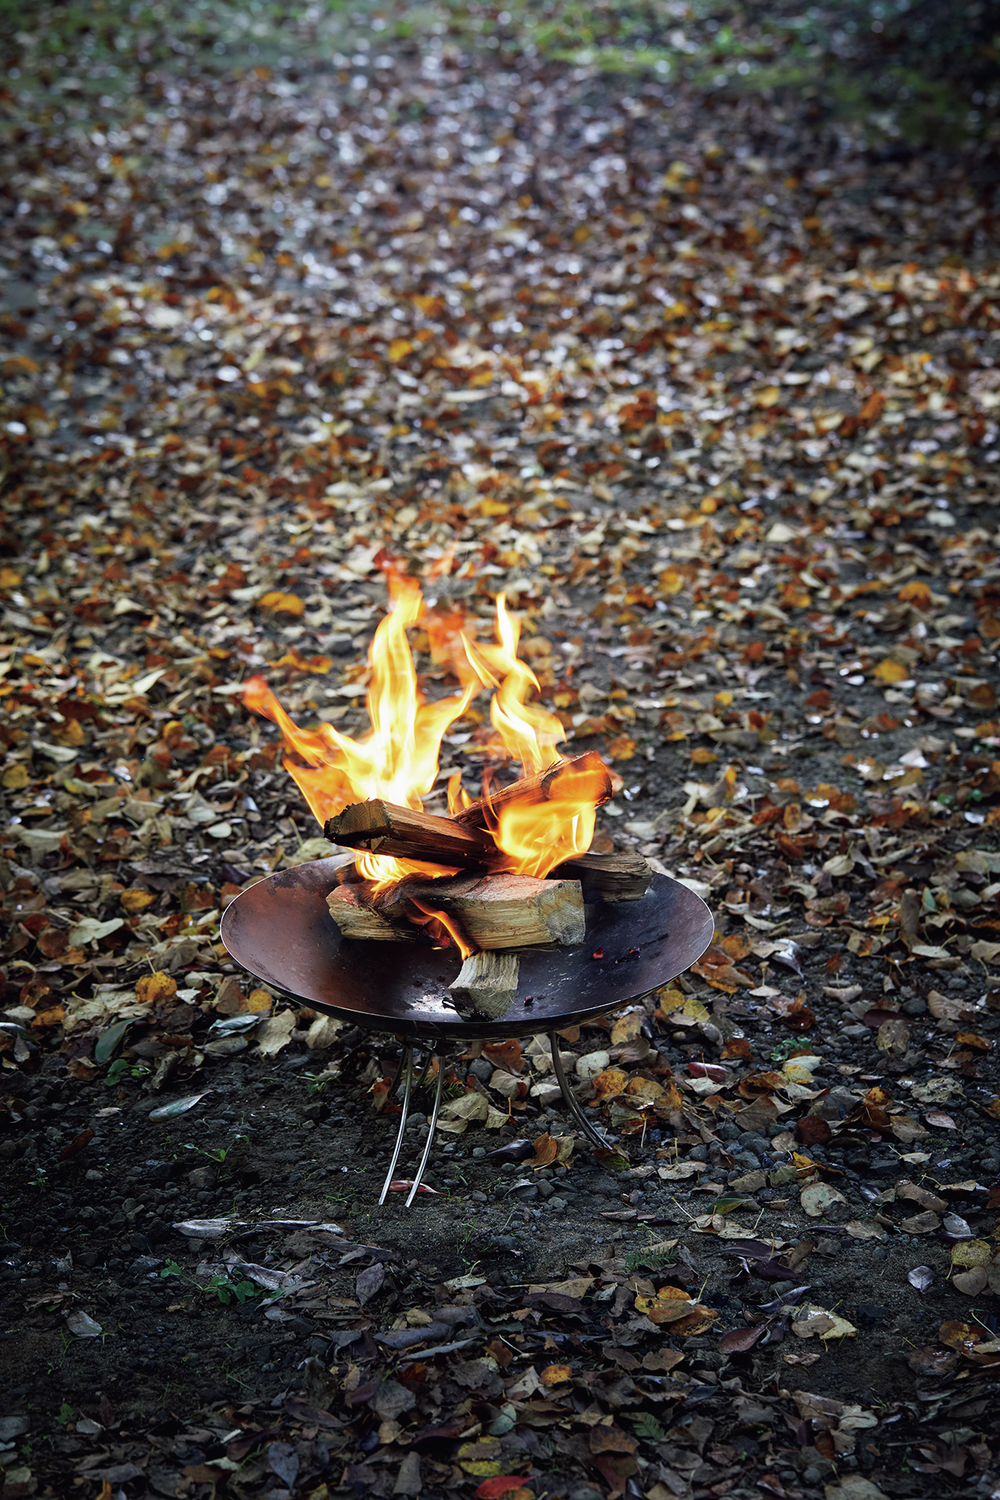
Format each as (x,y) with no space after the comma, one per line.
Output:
(398,759)
(528,732)
(540,835)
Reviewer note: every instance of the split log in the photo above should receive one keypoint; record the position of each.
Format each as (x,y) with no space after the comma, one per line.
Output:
(383,828)
(618,877)
(496,911)
(488,983)
(356,920)
(535,789)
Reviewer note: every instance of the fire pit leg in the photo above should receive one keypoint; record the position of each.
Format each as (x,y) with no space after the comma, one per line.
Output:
(406,1066)
(431,1130)
(570,1098)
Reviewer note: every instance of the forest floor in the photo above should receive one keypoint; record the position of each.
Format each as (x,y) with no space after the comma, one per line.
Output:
(709,389)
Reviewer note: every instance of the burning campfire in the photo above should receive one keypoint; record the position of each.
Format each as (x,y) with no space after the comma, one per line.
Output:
(498,874)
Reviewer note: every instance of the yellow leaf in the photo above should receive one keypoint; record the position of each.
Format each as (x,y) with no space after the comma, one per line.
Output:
(555,1375)
(9,578)
(644,1088)
(153,987)
(136,900)
(626,1028)
(16,777)
(398,349)
(430,306)
(69,734)
(491,507)
(769,396)
(279,603)
(580,234)
(891,671)
(674,1307)
(671,582)
(971,1253)
(259,1000)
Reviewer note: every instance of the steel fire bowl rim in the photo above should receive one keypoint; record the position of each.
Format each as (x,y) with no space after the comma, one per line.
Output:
(281,931)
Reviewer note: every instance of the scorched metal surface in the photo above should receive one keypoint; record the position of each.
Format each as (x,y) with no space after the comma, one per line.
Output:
(282,932)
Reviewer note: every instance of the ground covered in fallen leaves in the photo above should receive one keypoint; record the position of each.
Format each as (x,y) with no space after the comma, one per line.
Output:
(710,390)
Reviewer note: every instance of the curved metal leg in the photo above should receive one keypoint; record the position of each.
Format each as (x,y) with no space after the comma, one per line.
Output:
(407,1067)
(572,1105)
(430,1133)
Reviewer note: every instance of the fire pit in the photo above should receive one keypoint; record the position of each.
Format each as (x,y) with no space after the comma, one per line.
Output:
(281,930)
(491,918)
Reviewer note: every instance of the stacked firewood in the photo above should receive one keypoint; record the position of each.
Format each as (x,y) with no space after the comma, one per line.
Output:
(495,911)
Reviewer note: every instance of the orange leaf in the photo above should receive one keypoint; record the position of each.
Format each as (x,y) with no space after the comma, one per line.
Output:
(154,987)
(970,1039)
(279,603)
(46,1018)
(546,1151)
(917,593)
(873,408)
(20,364)
(503,1487)
(555,1375)
(702,757)
(505,1055)
(737,1046)
(621,747)
(611,1081)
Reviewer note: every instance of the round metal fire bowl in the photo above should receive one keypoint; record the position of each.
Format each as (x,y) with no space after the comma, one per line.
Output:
(282,932)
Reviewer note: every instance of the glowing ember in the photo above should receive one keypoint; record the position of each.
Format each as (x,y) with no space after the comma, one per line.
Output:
(398,759)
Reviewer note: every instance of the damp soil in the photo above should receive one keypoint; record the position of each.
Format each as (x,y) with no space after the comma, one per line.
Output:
(99,1232)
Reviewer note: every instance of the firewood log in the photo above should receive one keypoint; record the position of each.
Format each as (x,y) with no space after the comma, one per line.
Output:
(487,983)
(533,789)
(384,828)
(618,877)
(495,911)
(356,920)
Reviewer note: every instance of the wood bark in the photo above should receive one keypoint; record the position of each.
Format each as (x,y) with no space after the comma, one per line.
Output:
(383,828)
(534,789)
(618,877)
